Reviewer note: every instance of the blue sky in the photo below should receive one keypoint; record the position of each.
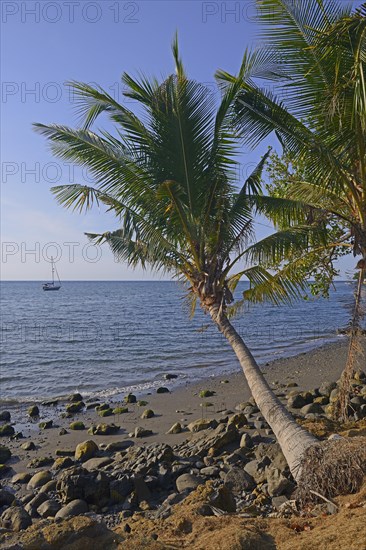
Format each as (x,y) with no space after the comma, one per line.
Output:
(43,45)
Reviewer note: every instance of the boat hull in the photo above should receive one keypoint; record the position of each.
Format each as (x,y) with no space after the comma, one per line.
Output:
(48,288)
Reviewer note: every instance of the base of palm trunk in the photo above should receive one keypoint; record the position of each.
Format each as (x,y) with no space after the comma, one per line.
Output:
(332,468)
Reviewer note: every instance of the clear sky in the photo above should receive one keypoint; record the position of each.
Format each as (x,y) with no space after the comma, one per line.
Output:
(46,43)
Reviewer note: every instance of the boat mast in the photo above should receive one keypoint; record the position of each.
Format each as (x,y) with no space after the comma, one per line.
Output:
(53,271)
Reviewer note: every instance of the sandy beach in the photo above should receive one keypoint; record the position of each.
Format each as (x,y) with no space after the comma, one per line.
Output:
(182,405)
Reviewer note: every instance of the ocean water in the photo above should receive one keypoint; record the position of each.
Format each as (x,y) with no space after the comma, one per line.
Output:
(104,338)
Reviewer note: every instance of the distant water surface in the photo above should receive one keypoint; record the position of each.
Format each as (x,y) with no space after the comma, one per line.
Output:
(109,336)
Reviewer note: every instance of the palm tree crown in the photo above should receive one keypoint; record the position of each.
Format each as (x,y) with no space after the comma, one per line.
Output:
(170,176)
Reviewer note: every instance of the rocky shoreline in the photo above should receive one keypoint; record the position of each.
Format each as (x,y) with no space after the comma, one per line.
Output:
(114,477)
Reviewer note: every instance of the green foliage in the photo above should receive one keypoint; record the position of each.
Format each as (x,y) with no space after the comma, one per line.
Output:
(314,56)
(169,175)
(318,264)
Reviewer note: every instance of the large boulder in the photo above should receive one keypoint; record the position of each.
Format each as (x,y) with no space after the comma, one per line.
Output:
(73,508)
(86,450)
(48,508)
(120,489)
(296,401)
(188,482)
(238,480)
(39,479)
(6,497)
(278,484)
(78,483)
(312,408)
(15,518)
(6,429)
(5,454)
(202,424)
(96,463)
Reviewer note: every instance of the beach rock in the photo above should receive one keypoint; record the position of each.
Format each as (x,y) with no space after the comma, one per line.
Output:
(238,420)
(62,462)
(48,509)
(28,446)
(16,519)
(96,463)
(246,442)
(5,454)
(77,425)
(175,429)
(188,482)
(79,483)
(63,432)
(86,450)
(104,429)
(39,462)
(75,407)
(102,407)
(32,505)
(50,403)
(223,499)
(147,414)
(105,412)
(120,410)
(4,469)
(22,477)
(5,416)
(256,470)
(120,489)
(73,508)
(130,398)
(142,403)
(326,388)
(48,487)
(6,497)
(142,432)
(334,395)
(162,389)
(75,398)
(278,502)
(271,452)
(356,402)
(46,425)
(117,446)
(6,429)
(206,393)
(209,444)
(170,376)
(312,408)
(33,411)
(238,480)
(141,489)
(296,401)
(210,471)
(39,479)
(322,400)
(64,452)
(278,484)
(202,424)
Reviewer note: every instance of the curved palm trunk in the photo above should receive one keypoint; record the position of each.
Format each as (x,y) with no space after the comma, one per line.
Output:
(292,438)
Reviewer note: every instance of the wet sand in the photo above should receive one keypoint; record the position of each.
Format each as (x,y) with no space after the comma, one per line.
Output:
(182,404)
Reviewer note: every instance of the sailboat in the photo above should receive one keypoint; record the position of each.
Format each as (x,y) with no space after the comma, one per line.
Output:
(53,285)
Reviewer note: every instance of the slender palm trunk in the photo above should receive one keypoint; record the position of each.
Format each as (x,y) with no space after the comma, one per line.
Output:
(293,439)
(341,409)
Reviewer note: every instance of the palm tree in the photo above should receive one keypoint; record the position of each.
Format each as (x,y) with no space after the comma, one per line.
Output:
(169,178)
(316,59)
